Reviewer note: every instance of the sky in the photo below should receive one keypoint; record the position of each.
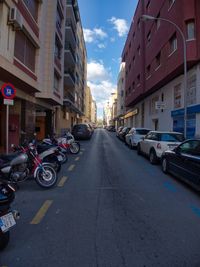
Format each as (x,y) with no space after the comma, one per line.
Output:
(105,25)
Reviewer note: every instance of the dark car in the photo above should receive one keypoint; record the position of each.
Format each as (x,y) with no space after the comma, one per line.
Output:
(82,131)
(184,162)
(124,132)
(111,128)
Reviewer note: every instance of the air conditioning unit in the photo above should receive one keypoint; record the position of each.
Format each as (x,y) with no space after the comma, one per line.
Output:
(15,18)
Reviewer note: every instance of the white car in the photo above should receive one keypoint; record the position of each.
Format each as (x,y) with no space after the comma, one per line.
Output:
(156,142)
(135,135)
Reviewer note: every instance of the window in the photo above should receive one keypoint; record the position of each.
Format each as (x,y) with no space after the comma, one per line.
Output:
(138,50)
(173,44)
(58,19)
(129,45)
(122,107)
(152,108)
(134,60)
(57,48)
(158,60)
(191,90)
(56,82)
(148,71)
(191,147)
(129,90)
(133,86)
(149,37)
(133,36)
(138,79)
(32,6)
(138,24)
(177,96)
(24,50)
(122,93)
(171,2)
(158,21)
(190,30)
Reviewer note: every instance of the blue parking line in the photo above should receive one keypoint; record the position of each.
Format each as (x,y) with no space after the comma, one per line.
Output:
(195,209)
(170,186)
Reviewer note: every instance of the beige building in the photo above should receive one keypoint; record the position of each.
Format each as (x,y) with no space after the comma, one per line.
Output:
(88,105)
(31,58)
(93,112)
(75,69)
(110,110)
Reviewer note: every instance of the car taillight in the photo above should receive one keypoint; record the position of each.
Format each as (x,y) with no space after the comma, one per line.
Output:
(159,146)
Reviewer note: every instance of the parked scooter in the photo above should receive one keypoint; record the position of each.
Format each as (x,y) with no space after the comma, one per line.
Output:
(8,216)
(19,166)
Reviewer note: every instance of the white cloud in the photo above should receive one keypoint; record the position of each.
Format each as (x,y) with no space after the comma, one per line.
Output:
(96,71)
(94,35)
(112,39)
(99,80)
(120,25)
(101,46)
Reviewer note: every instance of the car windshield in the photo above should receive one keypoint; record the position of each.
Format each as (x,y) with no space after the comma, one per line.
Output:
(171,137)
(142,131)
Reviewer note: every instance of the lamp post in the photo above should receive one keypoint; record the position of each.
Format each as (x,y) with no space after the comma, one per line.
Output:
(147,17)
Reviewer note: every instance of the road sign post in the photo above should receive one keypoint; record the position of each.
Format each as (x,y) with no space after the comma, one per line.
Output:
(8,91)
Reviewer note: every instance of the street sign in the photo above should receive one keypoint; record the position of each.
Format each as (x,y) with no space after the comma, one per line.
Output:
(8,91)
(160,105)
(9,102)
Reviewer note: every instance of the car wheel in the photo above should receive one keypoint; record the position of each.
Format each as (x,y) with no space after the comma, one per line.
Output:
(139,149)
(165,165)
(152,157)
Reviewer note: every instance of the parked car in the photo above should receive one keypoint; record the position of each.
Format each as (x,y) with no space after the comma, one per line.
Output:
(135,135)
(111,128)
(184,162)
(91,127)
(119,130)
(82,131)
(156,142)
(123,133)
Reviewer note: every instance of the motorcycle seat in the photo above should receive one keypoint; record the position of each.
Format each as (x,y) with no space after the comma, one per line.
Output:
(42,148)
(8,157)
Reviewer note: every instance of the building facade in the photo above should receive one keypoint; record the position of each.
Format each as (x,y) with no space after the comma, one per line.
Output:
(75,68)
(93,112)
(121,95)
(153,54)
(31,58)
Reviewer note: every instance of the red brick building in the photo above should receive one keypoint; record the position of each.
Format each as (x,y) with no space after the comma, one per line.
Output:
(153,54)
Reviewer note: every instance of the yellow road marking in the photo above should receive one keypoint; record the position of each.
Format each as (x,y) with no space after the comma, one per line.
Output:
(76,159)
(42,211)
(71,167)
(62,181)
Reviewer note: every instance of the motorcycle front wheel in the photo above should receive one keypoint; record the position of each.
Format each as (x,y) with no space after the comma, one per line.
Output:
(46,176)
(4,239)
(74,148)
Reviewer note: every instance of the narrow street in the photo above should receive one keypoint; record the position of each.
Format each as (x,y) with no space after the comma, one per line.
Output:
(111,208)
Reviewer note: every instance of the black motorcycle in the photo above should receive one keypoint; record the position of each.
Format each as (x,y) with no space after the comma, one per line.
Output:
(8,217)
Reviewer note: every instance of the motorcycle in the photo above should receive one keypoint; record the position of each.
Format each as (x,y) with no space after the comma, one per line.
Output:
(67,143)
(8,217)
(26,162)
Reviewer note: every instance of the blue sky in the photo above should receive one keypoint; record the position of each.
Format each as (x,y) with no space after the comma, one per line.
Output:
(106,24)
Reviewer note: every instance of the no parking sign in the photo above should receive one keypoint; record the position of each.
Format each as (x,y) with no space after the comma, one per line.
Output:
(8,91)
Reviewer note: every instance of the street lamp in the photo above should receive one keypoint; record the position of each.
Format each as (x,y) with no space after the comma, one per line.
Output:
(147,17)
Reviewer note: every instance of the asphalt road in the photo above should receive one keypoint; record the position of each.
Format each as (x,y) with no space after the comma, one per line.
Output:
(112,208)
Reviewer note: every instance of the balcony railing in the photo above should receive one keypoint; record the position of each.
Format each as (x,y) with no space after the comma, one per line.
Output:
(69,47)
(71,74)
(68,23)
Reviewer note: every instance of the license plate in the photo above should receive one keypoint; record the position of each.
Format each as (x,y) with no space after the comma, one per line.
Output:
(60,158)
(6,222)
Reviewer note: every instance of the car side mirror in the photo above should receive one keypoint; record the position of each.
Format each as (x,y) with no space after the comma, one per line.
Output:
(177,150)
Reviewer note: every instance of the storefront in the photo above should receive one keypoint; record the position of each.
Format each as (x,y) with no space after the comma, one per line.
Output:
(178,120)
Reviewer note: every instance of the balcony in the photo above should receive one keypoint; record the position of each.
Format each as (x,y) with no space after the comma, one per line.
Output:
(69,78)
(68,96)
(69,56)
(70,33)
(72,8)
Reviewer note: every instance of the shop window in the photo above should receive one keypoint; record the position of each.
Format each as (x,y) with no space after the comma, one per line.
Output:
(191,90)
(190,30)
(177,96)
(24,50)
